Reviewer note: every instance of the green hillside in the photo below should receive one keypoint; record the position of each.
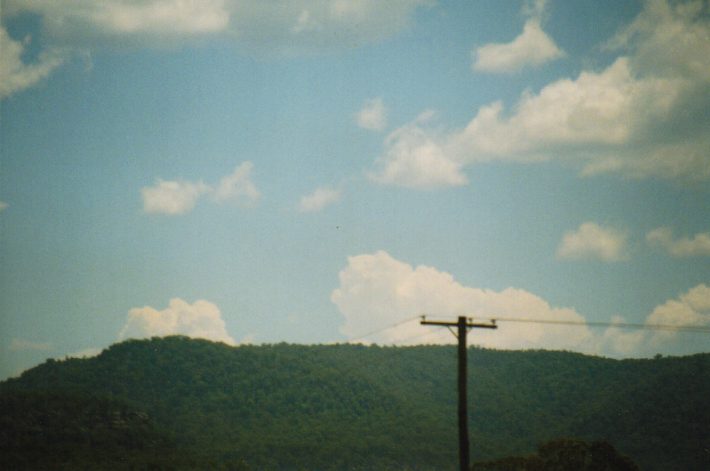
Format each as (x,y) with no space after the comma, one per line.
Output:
(354,407)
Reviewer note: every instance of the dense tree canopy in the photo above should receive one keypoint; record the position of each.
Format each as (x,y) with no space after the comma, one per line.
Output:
(355,407)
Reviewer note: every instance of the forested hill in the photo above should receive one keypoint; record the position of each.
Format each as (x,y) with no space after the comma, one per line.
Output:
(355,407)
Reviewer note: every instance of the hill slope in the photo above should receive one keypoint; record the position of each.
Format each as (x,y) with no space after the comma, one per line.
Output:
(354,407)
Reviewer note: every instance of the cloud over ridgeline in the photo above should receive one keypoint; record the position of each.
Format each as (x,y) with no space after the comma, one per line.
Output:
(179,197)
(378,291)
(202,319)
(622,119)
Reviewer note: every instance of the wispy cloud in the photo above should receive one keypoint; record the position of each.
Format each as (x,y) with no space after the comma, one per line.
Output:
(201,319)
(593,242)
(172,197)
(18,345)
(180,196)
(303,26)
(319,199)
(373,115)
(238,187)
(15,74)
(697,246)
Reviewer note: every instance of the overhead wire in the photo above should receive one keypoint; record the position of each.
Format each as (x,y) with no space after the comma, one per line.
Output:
(622,325)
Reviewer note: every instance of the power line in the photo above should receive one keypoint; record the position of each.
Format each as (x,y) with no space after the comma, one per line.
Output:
(382,329)
(622,325)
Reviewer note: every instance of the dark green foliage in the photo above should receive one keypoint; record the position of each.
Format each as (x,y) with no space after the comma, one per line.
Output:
(59,431)
(564,455)
(353,407)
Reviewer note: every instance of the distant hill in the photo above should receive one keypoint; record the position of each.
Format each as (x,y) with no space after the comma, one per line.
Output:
(355,407)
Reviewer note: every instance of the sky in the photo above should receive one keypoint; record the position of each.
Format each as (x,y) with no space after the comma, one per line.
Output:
(315,171)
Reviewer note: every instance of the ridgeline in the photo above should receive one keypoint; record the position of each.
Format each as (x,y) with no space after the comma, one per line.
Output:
(179,403)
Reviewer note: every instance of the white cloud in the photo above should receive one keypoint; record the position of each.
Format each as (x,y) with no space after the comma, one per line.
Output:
(199,320)
(416,157)
(642,116)
(373,115)
(179,197)
(377,290)
(17,345)
(81,21)
(238,187)
(283,26)
(319,199)
(662,237)
(690,309)
(532,48)
(16,75)
(161,17)
(172,197)
(617,340)
(593,242)
(86,353)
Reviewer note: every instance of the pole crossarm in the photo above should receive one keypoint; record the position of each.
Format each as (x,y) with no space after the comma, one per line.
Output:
(470,325)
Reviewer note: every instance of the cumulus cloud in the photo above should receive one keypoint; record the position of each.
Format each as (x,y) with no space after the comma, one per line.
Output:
(697,246)
(201,319)
(593,242)
(373,115)
(319,199)
(376,290)
(179,197)
(15,74)
(690,309)
(416,156)
(642,116)
(172,197)
(238,187)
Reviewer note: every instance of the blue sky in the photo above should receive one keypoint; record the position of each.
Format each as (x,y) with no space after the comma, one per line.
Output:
(311,171)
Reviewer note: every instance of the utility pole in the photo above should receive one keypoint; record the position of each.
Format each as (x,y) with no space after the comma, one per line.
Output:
(463,325)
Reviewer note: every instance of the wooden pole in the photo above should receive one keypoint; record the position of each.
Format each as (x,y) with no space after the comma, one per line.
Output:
(464,455)
(463,325)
